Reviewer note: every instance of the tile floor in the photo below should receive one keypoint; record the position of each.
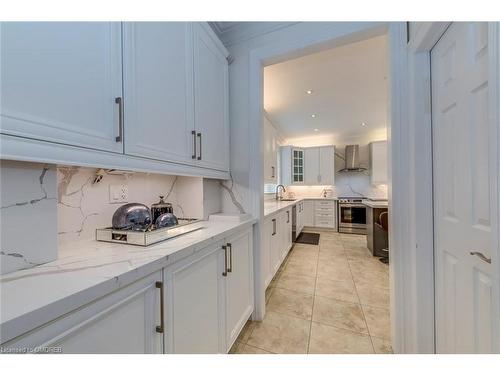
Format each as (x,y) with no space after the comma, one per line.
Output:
(330,298)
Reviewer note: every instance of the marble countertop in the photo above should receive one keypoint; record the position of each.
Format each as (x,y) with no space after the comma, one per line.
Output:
(35,296)
(375,204)
(272,206)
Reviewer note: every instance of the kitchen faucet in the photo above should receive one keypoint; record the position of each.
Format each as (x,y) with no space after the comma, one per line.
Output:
(278,195)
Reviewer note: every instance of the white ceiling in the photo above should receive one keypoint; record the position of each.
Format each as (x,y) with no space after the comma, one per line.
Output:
(349,86)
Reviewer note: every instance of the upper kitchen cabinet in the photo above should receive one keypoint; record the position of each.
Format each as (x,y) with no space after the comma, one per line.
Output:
(327,165)
(158,90)
(308,166)
(270,153)
(62,82)
(378,162)
(292,165)
(211,102)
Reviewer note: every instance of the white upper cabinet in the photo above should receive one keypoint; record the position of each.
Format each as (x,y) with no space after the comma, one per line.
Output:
(158,90)
(311,166)
(59,82)
(326,165)
(211,112)
(378,162)
(270,153)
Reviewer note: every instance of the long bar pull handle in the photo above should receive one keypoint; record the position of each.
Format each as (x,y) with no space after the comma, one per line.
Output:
(481,256)
(194,144)
(161,327)
(230,269)
(272,172)
(119,101)
(287,217)
(274,227)
(225,261)
(199,137)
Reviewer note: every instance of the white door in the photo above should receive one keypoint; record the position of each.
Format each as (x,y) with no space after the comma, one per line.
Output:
(311,166)
(326,165)
(158,90)
(195,303)
(211,85)
(123,322)
(239,286)
(60,81)
(462,203)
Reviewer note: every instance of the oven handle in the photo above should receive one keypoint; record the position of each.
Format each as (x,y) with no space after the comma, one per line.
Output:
(352,205)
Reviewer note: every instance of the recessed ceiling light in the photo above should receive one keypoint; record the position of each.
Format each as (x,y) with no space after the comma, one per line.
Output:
(313,115)
(363,124)
(316,130)
(309,92)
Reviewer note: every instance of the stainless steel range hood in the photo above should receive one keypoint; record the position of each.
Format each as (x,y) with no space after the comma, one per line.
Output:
(351,158)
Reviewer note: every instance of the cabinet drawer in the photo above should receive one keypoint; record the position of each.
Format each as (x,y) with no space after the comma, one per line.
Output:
(324,204)
(324,215)
(326,222)
(326,210)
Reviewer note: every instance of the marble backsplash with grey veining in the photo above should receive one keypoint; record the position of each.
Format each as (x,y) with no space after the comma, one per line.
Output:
(44,207)
(28,215)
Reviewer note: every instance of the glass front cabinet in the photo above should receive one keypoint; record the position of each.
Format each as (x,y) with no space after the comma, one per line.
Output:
(298,166)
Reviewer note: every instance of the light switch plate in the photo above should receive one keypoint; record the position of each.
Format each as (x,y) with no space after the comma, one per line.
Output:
(118,193)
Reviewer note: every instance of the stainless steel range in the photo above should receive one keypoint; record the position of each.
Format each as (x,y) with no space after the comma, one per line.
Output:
(351,215)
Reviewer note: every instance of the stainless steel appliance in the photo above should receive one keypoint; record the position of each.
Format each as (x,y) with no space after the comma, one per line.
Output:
(351,215)
(351,159)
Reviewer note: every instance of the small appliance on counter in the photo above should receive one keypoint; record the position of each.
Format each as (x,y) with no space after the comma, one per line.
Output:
(133,224)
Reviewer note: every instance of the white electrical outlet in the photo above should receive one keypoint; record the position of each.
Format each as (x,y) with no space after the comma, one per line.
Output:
(118,193)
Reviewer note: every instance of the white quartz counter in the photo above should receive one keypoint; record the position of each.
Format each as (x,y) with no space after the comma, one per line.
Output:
(375,204)
(32,297)
(272,206)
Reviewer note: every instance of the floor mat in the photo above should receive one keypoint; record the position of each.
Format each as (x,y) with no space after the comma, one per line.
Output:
(308,238)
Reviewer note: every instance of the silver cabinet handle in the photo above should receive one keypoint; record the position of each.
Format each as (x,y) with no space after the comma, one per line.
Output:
(119,101)
(230,269)
(161,327)
(199,137)
(287,217)
(194,144)
(481,256)
(274,227)
(272,173)
(225,261)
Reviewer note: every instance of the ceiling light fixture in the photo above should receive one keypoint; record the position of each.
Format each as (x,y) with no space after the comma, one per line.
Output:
(309,92)
(363,124)
(313,115)
(316,130)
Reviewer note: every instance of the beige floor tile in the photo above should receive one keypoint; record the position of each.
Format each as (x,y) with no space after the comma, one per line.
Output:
(248,349)
(299,267)
(331,243)
(280,333)
(269,292)
(378,321)
(339,314)
(246,332)
(298,283)
(334,272)
(373,295)
(292,303)
(331,340)
(382,346)
(333,261)
(367,275)
(234,348)
(343,290)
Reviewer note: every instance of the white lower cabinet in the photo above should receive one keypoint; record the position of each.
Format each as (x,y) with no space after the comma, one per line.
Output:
(308,213)
(239,285)
(209,297)
(124,321)
(277,241)
(194,303)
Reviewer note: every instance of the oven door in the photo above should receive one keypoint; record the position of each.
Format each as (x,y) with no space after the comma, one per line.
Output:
(352,215)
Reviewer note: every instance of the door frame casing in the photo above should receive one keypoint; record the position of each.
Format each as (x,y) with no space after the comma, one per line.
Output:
(421,234)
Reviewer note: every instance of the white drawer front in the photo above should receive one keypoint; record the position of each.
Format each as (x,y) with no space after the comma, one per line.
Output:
(324,222)
(324,204)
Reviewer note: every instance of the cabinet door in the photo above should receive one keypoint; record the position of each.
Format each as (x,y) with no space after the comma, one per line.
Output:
(211,114)
(158,91)
(297,166)
(122,322)
(195,303)
(286,233)
(311,169)
(276,244)
(239,286)
(60,81)
(267,235)
(270,153)
(378,162)
(326,165)
(308,213)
